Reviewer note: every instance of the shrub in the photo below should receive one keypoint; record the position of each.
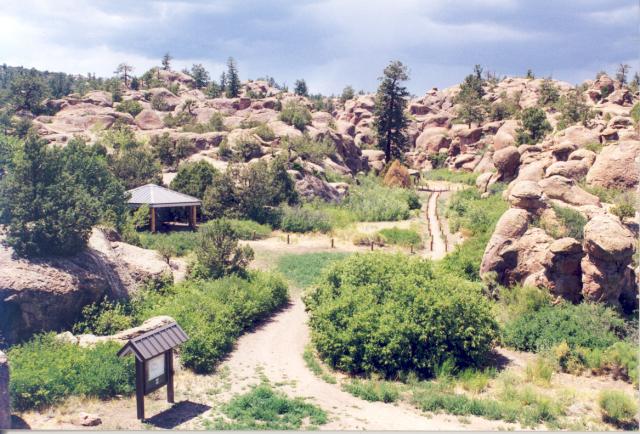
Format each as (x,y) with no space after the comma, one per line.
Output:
(215,313)
(104,318)
(475,380)
(635,113)
(304,219)
(295,114)
(265,132)
(549,93)
(397,176)
(572,221)
(136,167)
(437,159)
(45,370)
(218,252)
(539,371)
(265,409)
(168,151)
(593,147)
(194,178)
(308,149)
(129,106)
(141,216)
(247,147)
(625,205)
(401,237)
(618,408)
(368,239)
(573,109)
(418,316)
(585,325)
(372,201)
(158,103)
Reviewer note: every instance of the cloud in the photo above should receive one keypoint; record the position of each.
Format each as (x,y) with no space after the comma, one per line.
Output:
(330,43)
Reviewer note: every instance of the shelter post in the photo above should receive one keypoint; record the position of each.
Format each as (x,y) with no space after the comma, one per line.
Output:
(153,220)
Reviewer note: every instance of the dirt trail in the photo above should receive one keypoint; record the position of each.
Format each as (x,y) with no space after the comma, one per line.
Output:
(439,249)
(275,350)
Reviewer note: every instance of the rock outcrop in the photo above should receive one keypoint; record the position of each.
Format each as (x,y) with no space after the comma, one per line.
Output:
(617,166)
(606,271)
(40,295)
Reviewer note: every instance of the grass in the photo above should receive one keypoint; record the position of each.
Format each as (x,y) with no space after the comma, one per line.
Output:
(476,380)
(313,363)
(540,371)
(373,390)
(266,409)
(443,174)
(401,237)
(183,241)
(618,409)
(303,270)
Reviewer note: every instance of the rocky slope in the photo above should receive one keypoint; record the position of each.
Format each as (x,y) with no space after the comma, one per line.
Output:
(49,294)
(550,173)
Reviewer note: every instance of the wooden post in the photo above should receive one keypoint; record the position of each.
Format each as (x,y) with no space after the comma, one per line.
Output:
(332,243)
(153,220)
(140,388)
(192,217)
(372,246)
(288,239)
(169,370)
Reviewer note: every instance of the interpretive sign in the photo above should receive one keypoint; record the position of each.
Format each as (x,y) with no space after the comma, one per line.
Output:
(153,351)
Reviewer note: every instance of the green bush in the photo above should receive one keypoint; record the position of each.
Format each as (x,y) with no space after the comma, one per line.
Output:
(104,318)
(572,220)
(618,408)
(400,304)
(215,313)
(371,201)
(583,325)
(635,112)
(129,106)
(217,251)
(265,409)
(194,178)
(295,114)
(476,218)
(44,371)
(265,132)
(158,103)
(308,149)
(401,237)
(304,219)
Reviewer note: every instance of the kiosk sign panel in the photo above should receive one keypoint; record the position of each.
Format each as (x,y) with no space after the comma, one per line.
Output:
(156,375)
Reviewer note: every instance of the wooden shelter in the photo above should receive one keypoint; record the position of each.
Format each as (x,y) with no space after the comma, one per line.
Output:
(153,351)
(160,197)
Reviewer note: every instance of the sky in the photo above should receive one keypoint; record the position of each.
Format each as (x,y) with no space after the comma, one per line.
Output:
(329,43)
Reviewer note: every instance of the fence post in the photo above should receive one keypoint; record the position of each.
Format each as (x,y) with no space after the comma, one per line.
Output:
(332,243)
(288,240)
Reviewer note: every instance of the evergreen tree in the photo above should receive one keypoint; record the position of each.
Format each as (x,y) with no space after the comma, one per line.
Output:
(301,88)
(472,107)
(123,71)
(200,76)
(390,119)
(233,81)
(194,178)
(27,91)
(549,93)
(166,61)
(534,126)
(530,75)
(50,198)
(347,94)
(223,81)
(621,75)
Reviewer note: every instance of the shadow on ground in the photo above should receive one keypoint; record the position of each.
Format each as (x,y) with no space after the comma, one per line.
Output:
(178,414)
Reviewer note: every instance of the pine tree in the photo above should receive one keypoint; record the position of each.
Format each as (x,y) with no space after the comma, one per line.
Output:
(391,101)
(621,75)
(166,61)
(301,88)
(472,107)
(223,82)
(200,76)
(233,81)
(123,71)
